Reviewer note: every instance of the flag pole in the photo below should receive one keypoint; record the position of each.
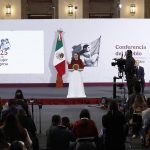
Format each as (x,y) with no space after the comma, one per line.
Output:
(59,80)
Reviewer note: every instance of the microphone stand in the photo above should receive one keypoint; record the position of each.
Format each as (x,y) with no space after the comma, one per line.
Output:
(1,108)
(114,86)
(40,123)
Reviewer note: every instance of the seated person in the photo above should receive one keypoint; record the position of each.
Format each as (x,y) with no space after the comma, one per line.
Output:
(146,120)
(85,128)
(114,133)
(59,137)
(21,101)
(139,105)
(10,109)
(13,131)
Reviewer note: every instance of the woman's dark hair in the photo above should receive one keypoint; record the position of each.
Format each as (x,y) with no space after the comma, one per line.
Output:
(24,105)
(19,94)
(77,54)
(13,130)
(85,114)
(139,99)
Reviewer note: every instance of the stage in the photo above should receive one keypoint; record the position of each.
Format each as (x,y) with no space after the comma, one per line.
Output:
(54,101)
(53,95)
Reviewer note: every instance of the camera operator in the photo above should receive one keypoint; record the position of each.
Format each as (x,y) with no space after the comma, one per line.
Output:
(130,71)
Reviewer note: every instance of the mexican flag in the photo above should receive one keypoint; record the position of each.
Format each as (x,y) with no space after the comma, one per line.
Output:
(59,57)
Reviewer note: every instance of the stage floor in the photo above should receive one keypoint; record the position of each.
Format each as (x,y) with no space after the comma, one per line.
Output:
(58,93)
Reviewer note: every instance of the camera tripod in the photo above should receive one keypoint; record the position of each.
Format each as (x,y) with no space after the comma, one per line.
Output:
(115,86)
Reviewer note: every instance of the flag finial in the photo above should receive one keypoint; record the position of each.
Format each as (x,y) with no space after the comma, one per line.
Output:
(60,30)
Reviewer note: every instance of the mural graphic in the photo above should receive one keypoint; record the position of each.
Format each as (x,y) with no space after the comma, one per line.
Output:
(89,52)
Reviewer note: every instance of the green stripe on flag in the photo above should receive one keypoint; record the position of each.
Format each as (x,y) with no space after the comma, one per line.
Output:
(59,44)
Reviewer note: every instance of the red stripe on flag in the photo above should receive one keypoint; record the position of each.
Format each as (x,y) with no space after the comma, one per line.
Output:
(61,68)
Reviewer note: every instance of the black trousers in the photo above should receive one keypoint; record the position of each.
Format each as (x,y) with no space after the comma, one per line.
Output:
(130,84)
(142,82)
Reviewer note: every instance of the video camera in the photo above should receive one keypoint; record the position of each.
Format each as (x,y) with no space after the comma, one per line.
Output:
(120,62)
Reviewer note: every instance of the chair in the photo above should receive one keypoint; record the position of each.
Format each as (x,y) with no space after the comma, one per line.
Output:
(86,141)
(90,139)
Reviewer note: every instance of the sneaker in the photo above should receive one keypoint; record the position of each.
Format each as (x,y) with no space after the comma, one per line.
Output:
(133,136)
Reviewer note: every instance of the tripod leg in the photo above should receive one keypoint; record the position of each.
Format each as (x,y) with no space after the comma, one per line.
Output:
(114,87)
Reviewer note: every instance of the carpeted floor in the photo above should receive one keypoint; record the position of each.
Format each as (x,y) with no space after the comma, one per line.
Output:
(53,92)
(73,111)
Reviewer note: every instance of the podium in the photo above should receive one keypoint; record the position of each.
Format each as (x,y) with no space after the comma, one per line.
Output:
(76,87)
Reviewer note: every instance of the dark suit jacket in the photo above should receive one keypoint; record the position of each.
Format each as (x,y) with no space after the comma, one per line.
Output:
(140,73)
(130,67)
(114,130)
(59,137)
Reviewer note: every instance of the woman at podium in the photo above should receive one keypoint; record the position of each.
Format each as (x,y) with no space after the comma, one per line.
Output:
(76,87)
